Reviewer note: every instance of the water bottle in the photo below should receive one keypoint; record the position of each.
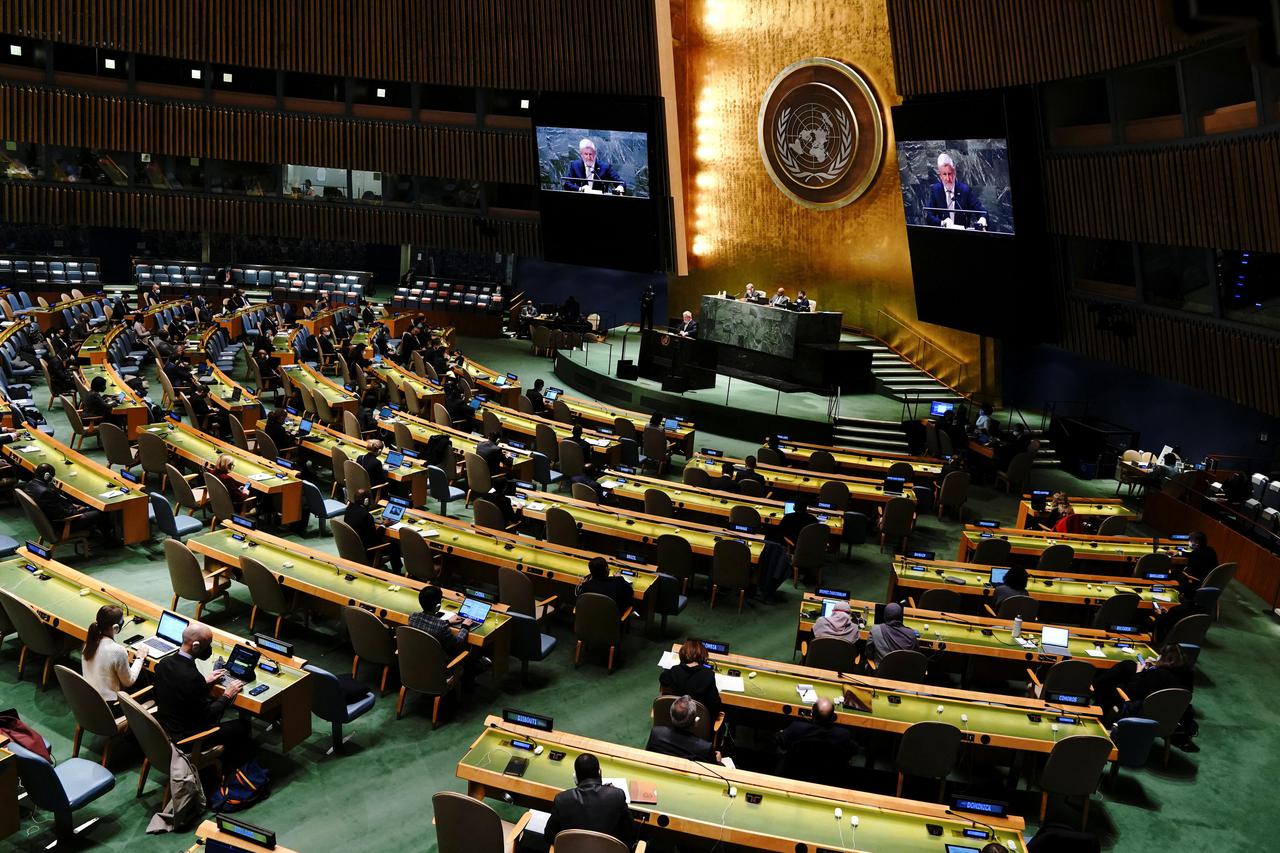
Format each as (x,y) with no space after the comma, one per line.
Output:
(1017,627)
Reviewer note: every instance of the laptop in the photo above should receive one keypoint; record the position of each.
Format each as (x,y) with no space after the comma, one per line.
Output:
(243,663)
(500,381)
(168,638)
(671,425)
(997,576)
(1054,640)
(894,485)
(236,394)
(393,513)
(937,409)
(395,459)
(552,394)
(304,426)
(788,507)
(475,404)
(476,611)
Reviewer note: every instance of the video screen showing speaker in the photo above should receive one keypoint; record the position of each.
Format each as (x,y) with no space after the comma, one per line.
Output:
(603,192)
(961,184)
(588,160)
(962,162)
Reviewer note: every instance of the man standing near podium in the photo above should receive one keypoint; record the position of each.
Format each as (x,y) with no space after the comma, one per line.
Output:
(646,306)
(952,204)
(688,327)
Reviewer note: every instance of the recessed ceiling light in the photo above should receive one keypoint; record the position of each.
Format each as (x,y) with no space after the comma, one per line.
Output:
(227,77)
(109,64)
(195,74)
(524,103)
(381,93)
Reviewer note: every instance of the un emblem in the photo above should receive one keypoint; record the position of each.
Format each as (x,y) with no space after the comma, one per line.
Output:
(821,133)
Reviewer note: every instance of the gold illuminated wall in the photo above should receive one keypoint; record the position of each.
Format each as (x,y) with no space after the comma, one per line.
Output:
(741,228)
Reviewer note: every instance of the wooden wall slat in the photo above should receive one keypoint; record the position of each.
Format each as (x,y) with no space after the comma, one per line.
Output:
(1232,363)
(82,206)
(948,46)
(1219,193)
(61,117)
(507,44)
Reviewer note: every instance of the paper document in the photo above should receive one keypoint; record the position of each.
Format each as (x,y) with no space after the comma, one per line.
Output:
(263,476)
(619,782)
(536,506)
(30,448)
(668,659)
(111,493)
(538,821)
(610,484)
(730,683)
(808,697)
(1095,653)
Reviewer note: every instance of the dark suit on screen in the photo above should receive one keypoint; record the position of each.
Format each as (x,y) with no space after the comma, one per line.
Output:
(965,200)
(604,172)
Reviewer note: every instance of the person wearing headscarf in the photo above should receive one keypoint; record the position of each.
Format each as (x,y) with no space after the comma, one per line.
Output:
(839,624)
(891,635)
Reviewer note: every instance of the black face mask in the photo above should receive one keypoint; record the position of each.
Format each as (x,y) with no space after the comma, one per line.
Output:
(204,652)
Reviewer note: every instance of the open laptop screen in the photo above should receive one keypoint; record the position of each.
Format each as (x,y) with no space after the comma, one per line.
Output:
(171,627)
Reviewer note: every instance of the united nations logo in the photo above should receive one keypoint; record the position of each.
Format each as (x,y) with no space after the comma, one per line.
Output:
(821,133)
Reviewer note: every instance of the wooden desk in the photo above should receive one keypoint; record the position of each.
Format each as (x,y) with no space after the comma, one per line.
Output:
(51,318)
(222,390)
(234,322)
(924,468)
(981,636)
(209,830)
(708,503)
(261,475)
(506,394)
(409,478)
(338,397)
(788,480)
(422,429)
(322,320)
(1070,592)
(632,526)
(1094,509)
(994,721)
(681,439)
(554,567)
(85,480)
(392,598)
(692,804)
(606,446)
(130,407)
(1116,554)
(93,349)
(60,603)
(282,346)
(395,379)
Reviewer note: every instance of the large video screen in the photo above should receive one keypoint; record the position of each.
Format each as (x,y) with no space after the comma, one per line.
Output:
(594,161)
(960,184)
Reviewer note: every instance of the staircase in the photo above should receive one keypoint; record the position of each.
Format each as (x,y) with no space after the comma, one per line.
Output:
(1047,457)
(898,378)
(870,436)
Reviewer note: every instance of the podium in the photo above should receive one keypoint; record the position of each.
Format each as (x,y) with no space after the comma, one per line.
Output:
(680,364)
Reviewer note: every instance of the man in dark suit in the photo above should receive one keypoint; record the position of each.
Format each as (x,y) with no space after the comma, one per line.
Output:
(952,202)
(750,472)
(536,400)
(614,586)
(184,705)
(1201,560)
(590,173)
(591,805)
(57,507)
(359,518)
(647,300)
(371,462)
(817,749)
(678,738)
(688,327)
(238,300)
(490,450)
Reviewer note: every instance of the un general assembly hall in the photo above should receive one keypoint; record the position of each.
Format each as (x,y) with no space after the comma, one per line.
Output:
(506,426)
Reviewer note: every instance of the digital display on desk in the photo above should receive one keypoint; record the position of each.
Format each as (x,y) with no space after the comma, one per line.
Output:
(38,550)
(840,594)
(920,555)
(715,646)
(524,718)
(986,522)
(243,522)
(976,805)
(247,831)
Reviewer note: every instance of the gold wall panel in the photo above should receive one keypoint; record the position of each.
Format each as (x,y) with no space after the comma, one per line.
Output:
(741,227)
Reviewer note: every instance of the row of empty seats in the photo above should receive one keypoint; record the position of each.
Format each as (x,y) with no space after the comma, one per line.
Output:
(48,272)
(426,294)
(1263,505)
(177,273)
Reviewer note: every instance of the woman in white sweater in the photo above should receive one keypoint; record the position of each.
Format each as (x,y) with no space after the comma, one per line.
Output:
(106,663)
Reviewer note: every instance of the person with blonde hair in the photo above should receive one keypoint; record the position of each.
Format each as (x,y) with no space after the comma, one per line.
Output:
(222,468)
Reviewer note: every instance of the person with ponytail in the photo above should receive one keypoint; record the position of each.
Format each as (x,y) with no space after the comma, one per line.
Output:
(107,665)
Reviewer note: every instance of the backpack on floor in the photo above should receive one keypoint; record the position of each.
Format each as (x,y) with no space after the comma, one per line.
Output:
(241,788)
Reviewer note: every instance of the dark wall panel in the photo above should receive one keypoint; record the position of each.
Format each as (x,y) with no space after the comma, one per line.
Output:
(508,44)
(59,117)
(945,46)
(176,212)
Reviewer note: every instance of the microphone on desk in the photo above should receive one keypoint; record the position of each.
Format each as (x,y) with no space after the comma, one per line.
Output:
(728,786)
(986,826)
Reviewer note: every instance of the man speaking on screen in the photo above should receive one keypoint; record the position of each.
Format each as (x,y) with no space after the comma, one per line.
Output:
(952,204)
(587,174)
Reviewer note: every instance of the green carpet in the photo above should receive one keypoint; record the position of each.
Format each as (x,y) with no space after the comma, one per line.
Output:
(377,797)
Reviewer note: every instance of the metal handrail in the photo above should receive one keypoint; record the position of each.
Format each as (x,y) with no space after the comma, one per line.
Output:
(919,336)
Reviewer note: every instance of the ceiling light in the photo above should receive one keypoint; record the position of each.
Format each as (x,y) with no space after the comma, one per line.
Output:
(226,77)
(195,73)
(109,64)
(524,103)
(15,50)
(381,93)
